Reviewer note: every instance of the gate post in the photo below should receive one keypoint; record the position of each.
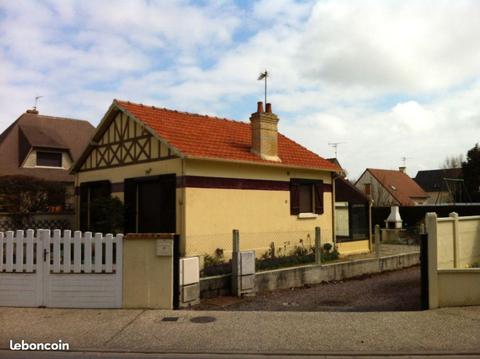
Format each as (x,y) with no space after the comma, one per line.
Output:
(424,271)
(431,225)
(377,241)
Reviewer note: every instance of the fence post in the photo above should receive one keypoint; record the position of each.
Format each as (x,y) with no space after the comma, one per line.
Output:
(236,241)
(431,226)
(456,240)
(377,241)
(318,246)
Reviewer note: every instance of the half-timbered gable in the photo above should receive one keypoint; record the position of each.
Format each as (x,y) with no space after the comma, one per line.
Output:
(124,141)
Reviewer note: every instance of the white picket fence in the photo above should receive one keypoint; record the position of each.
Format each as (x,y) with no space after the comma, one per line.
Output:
(60,270)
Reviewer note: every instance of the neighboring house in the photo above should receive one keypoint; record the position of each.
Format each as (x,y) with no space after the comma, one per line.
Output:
(390,187)
(44,147)
(443,185)
(202,177)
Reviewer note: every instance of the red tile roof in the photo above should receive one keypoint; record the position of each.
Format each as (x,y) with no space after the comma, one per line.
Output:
(399,185)
(212,137)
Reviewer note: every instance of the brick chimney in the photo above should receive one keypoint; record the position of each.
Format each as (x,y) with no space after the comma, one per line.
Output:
(265,133)
(402,169)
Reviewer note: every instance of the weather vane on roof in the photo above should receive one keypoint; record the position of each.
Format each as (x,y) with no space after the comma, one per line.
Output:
(36,101)
(264,76)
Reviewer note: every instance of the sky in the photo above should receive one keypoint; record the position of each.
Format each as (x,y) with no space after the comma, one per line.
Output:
(388,79)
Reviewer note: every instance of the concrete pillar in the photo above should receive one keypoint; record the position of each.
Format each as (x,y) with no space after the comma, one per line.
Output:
(148,271)
(318,246)
(431,226)
(243,268)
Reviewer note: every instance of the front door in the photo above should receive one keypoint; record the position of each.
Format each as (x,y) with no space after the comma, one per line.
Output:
(150,203)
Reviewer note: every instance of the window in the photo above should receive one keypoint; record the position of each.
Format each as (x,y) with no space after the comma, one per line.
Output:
(368,189)
(306,196)
(49,159)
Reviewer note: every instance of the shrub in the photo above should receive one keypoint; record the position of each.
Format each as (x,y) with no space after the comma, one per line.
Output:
(107,215)
(327,247)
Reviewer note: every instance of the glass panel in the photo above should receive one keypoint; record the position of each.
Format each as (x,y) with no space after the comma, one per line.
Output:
(50,159)
(306,196)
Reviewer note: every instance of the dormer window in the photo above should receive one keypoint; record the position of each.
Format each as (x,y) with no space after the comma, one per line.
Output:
(49,159)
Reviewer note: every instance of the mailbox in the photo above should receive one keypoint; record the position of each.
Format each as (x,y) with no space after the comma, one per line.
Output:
(164,248)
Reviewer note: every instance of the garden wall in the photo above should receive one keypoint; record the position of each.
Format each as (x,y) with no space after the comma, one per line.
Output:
(310,274)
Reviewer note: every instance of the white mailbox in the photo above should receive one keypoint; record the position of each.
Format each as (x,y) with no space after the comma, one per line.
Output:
(164,248)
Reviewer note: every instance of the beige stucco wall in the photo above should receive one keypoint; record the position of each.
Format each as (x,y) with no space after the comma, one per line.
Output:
(458,287)
(261,216)
(155,289)
(353,247)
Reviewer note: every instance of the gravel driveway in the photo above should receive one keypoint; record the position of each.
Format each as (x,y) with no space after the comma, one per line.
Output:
(389,291)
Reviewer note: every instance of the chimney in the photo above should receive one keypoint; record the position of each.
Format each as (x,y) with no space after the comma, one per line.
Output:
(33,111)
(402,169)
(265,133)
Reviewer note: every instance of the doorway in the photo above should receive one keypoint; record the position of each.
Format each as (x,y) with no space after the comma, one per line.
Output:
(150,204)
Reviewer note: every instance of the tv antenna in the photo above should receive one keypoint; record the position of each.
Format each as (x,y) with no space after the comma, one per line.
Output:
(335,146)
(36,101)
(263,76)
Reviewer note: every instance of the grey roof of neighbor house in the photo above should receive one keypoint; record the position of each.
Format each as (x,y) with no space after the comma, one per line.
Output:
(32,130)
(433,180)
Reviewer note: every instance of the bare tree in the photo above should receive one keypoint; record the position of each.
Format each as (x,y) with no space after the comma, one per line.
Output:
(452,162)
(380,196)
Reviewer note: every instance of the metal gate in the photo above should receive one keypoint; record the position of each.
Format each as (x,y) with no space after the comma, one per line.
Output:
(60,270)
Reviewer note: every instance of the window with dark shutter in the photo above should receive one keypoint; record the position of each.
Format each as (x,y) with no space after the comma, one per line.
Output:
(306,196)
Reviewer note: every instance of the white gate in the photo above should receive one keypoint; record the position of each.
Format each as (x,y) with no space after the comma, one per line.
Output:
(41,269)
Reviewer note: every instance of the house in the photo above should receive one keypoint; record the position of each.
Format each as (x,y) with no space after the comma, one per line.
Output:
(201,177)
(352,214)
(443,185)
(44,147)
(390,187)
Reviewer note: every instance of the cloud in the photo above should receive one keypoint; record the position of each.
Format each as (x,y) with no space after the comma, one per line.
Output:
(388,78)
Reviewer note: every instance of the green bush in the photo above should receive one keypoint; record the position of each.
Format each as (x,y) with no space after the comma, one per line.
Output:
(107,215)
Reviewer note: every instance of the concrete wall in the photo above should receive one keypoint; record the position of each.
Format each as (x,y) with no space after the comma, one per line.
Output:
(458,287)
(310,274)
(147,278)
(453,246)
(261,216)
(458,241)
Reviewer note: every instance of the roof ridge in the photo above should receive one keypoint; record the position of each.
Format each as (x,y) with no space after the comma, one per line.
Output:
(56,117)
(183,112)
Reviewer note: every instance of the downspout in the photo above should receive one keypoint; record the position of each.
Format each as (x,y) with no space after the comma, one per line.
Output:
(183,211)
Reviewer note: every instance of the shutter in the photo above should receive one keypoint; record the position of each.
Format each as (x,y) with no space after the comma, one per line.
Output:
(294,197)
(83,206)
(130,200)
(319,197)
